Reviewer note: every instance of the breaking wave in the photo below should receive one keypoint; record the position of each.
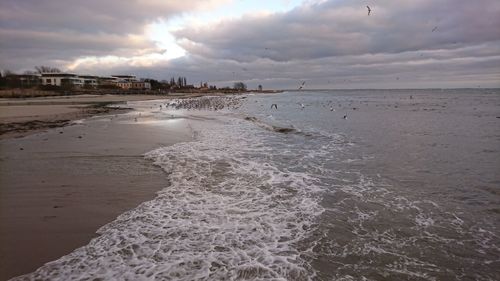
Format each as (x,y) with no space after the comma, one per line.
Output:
(230,213)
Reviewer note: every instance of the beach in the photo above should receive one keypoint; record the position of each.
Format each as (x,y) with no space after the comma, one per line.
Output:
(327,185)
(22,116)
(59,185)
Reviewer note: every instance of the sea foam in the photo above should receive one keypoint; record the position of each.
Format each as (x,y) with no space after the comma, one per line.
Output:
(230,213)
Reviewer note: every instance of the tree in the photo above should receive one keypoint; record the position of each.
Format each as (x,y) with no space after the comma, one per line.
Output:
(240,86)
(155,85)
(47,69)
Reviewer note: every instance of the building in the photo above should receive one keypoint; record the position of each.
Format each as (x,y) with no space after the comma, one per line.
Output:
(125,82)
(130,82)
(124,78)
(141,85)
(107,81)
(23,80)
(89,81)
(61,79)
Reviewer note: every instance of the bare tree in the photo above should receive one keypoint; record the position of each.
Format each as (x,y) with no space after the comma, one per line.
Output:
(47,69)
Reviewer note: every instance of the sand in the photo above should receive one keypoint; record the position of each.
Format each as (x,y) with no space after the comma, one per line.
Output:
(57,187)
(20,117)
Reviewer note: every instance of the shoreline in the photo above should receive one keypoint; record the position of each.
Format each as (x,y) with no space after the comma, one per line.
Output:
(58,186)
(22,117)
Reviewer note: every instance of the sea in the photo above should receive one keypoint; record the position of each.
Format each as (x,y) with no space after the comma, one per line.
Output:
(313,185)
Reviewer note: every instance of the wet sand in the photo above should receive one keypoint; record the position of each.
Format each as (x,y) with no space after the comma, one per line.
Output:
(20,117)
(59,186)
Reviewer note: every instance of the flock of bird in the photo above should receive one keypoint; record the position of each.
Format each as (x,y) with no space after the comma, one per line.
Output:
(219,103)
(205,103)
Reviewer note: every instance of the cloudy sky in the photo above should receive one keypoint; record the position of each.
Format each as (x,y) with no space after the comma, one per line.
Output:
(276,43)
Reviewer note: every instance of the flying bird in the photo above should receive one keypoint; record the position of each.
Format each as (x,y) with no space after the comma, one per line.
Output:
(434,29)
(369,10)
(302,85)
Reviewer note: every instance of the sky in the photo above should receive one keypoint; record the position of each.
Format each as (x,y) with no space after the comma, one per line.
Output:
(278,44)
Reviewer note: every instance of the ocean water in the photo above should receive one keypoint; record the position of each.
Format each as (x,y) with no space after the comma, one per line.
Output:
(330,185)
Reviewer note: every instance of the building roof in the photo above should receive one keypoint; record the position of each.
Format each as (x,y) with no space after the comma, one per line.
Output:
(59,75)
(123,76)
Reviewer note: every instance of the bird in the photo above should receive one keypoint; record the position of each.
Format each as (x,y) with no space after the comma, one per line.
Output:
(275,106)
(345,116)
(369,10)
(302,85)
(434,29)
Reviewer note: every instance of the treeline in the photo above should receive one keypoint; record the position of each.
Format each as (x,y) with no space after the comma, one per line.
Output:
(173,83)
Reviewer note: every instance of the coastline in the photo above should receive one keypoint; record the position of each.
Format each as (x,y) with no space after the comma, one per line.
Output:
(58,186)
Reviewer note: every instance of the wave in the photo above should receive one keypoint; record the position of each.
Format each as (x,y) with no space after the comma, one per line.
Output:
(230,213)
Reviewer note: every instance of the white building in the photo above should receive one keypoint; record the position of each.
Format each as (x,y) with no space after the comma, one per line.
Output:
(127,82)
(124,78)
(89,80)
(58,79)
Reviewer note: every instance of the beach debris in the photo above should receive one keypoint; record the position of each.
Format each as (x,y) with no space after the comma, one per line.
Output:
(369,10)
(21,148)
(56,206)
(60,132)
(79,137)
(283,130)
(345,117)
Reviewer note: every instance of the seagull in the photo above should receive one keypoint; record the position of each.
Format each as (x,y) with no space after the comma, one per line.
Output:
(434,29)
(369,10)
(302,85)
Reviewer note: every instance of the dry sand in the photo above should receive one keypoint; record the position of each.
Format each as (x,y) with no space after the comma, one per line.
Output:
(59,186)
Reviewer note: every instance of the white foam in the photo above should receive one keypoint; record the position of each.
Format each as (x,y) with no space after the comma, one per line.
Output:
(230,213)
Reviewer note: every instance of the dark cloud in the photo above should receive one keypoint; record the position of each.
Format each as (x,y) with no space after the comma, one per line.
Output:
(330,44)
(340,28)
(92,16)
